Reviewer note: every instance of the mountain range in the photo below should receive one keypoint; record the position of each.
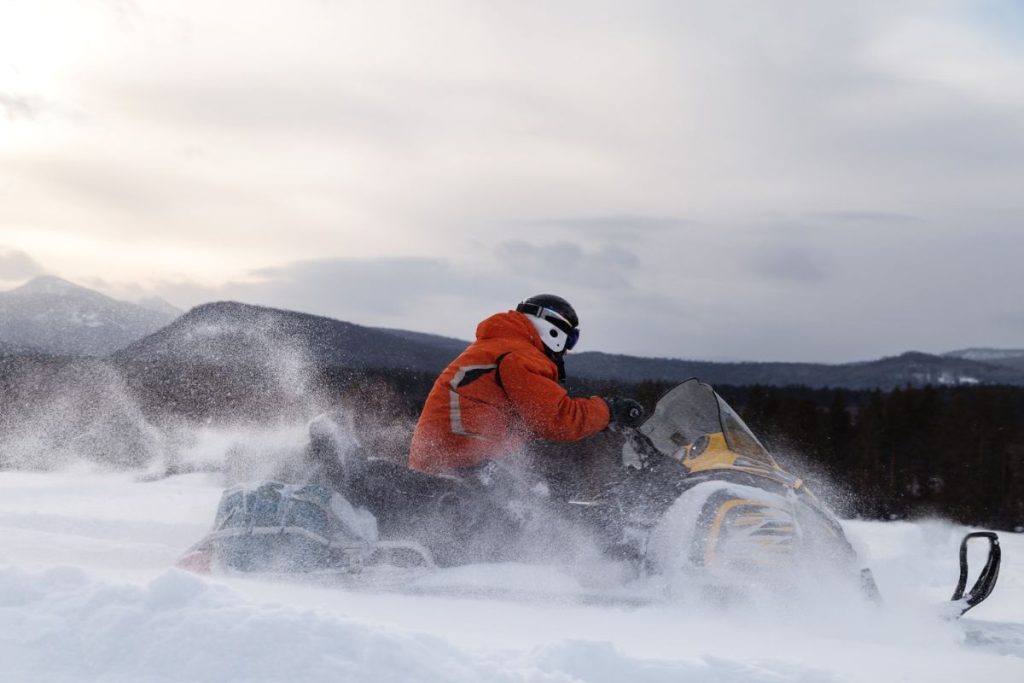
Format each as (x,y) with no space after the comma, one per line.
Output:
(56,317)
(226,333)
(1011,358)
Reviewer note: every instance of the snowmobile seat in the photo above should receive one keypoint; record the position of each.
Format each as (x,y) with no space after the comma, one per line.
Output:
(411,483)
(395,494)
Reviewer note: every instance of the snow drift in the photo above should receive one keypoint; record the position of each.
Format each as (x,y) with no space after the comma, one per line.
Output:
(86,595)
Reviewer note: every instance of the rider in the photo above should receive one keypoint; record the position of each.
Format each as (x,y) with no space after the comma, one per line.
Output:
(505,390)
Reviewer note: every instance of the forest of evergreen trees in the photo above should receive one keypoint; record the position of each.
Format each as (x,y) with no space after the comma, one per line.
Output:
(956,452)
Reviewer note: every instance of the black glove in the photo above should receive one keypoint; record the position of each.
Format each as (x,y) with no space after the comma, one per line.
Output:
(623,412)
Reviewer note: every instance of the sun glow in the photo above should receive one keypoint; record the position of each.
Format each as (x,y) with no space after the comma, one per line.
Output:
(116,260)
(39,43)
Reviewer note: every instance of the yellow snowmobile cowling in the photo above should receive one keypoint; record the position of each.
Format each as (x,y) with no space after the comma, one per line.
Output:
(741,529)
(738,511)
(739,518)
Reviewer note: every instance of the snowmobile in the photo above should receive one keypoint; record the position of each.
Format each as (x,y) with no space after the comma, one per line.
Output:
(696,495)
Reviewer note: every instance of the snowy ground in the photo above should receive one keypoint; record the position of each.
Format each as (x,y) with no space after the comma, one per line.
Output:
(86,594)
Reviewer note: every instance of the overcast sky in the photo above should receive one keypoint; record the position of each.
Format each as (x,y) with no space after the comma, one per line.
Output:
(760,180)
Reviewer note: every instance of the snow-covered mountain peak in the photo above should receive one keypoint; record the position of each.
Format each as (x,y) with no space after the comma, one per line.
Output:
(51,284)
(985,354)
(155,303)
(53,315)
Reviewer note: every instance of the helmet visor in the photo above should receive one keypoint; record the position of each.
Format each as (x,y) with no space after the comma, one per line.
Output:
(573,336)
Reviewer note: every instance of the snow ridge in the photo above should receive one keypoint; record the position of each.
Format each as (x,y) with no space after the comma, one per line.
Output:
(178,627)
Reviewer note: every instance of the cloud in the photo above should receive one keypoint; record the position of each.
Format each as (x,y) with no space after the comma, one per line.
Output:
(443,296)
(17,265)
(378,287)
(607,227)
(603,267)
(21,107)
(791,264)
(865,217)
(681,175)
(1013,321)
(371,291)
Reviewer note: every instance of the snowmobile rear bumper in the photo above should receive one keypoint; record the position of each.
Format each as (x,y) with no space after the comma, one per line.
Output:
(986,580)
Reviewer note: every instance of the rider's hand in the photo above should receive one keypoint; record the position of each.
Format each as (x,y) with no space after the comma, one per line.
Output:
(623,412)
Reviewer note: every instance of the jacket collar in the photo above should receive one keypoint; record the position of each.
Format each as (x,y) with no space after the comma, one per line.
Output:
(510,325)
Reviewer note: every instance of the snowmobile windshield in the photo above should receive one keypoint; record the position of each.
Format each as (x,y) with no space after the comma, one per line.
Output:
(693,410)
(737,434)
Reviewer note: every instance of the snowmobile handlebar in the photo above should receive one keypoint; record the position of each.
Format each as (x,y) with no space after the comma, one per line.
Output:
(642,446)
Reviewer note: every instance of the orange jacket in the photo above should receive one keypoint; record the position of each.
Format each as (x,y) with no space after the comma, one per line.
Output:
(498,394)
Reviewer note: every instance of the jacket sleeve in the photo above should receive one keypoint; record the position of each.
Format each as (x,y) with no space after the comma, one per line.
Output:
(544,405)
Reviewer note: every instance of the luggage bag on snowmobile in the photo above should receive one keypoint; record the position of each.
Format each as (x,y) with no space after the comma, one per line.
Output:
(277,527)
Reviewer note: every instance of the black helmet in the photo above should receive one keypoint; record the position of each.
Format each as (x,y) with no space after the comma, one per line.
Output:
(555,320)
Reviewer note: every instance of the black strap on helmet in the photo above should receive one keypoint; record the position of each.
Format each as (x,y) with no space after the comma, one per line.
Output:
(555,303)
(538,311)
